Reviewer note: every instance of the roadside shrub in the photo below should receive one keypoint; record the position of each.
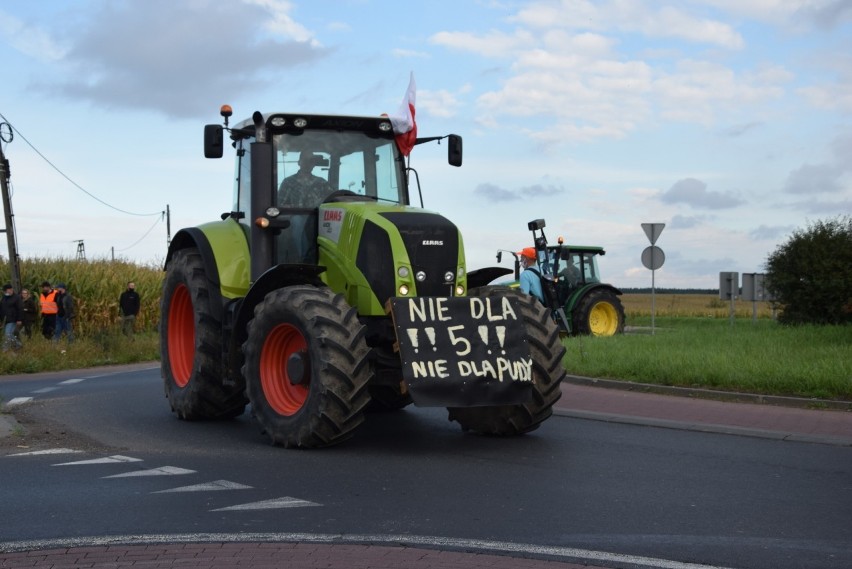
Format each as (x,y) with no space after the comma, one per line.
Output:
(811,274)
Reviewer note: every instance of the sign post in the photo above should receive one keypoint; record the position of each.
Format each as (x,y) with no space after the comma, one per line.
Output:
(653,258)
(729,288)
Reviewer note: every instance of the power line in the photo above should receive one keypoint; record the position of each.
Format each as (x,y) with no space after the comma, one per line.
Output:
(150,229)
(75,184)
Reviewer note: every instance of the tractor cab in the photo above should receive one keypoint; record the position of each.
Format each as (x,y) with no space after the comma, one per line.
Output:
(312,160)
(576,266)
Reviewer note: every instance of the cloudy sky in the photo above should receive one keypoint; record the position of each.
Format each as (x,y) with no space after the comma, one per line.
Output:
(729,121)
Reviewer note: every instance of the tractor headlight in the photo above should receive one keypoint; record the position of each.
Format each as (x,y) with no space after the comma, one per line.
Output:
(461,273)
(300,122)
(403,290)
(403,272)
(420,276)
(459,290)
(448,277)
(273,212)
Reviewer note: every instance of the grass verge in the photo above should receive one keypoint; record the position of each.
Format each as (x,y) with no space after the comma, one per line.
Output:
(107,348)
(760,357)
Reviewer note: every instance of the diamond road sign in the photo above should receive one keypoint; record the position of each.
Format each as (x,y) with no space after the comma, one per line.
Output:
(653,230)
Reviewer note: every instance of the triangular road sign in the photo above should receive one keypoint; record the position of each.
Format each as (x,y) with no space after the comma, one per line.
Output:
(653,230)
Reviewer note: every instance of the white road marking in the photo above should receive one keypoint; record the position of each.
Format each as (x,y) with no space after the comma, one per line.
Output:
(275,503)
(48,451)
(105,460)
(161,471)
(72,381)
(45,390)
(208,487)
(470,545)
(18,401)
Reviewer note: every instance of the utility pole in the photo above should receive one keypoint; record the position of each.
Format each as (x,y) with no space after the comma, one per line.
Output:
(5,174)
(168,226)
(81,250)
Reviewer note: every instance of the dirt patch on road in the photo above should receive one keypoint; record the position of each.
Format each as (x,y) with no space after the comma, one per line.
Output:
(24,428)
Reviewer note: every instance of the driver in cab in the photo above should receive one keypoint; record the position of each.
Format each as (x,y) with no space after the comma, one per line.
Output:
(303,189)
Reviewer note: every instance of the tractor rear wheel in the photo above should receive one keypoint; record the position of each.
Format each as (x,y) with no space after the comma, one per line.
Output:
(599,313)
(546,351)
(191,345)
(306,367)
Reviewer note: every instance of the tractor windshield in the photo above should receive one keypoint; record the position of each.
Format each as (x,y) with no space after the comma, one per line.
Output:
(311,165)
(578,268)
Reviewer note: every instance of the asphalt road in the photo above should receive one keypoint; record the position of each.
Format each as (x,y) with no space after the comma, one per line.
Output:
(576,484)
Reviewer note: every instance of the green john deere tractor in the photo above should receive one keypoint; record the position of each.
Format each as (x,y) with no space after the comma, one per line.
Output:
(581,303)
(323,293)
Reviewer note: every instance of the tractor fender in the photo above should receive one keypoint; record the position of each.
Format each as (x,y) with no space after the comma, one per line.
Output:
(481,277)
(279,276)
(194,237)
(224,248)
(577,295)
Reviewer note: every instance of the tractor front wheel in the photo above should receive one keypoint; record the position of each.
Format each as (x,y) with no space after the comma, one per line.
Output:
(306,367)
(191,345)
(599,313)
(546,352)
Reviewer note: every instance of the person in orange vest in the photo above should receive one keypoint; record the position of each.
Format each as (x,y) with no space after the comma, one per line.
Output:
(49,308)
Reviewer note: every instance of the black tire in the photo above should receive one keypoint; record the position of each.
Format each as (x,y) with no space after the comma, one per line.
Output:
(320,330)
(191,345)
(546,351)
(599,313)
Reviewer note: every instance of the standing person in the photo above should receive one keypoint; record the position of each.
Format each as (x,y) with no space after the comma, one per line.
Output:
(30,312)
(530,277)
(128,307)
(12,311)
(47,299)
(64,314)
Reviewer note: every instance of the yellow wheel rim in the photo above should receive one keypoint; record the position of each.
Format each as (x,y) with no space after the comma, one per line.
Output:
(603,319)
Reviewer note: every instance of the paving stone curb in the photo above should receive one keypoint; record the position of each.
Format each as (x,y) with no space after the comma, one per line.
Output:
(725,396)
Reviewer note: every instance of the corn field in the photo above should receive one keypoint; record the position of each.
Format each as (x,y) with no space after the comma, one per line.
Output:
(95,286)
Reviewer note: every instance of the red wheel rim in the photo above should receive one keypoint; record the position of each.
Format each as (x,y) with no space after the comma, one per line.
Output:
(181,335)
(284,397)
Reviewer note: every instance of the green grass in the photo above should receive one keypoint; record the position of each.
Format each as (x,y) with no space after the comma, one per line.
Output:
(105,348)
(751,357)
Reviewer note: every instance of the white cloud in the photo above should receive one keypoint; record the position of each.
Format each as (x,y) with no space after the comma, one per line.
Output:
(281,23)
(794,14)
(399,52)
(493,44)
(178,59)
(694,193)
(829,96)
(29,39)
(646,18)
(441,103)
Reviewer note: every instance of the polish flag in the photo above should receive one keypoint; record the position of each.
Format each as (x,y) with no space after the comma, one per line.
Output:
(404,125)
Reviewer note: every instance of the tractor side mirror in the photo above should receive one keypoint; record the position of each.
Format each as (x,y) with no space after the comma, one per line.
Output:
(454,150)
(213,141)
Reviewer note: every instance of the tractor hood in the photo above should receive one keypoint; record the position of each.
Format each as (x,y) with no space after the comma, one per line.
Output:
(374,252)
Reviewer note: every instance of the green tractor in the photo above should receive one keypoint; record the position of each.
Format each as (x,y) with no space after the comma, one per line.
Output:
(323,294)
(580,302)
